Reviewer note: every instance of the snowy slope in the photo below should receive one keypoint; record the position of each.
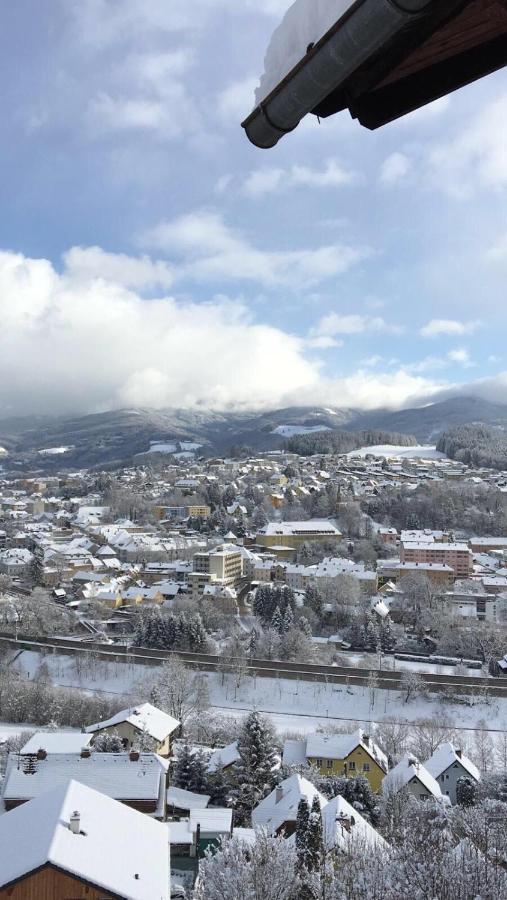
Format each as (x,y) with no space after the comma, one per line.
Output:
(304,23)
(386,450)
(291,430)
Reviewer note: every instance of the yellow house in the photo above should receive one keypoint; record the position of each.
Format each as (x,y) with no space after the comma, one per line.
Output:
(144,724)
(340,754)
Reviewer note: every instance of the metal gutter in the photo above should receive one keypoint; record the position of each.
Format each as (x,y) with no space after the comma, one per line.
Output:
(361,33)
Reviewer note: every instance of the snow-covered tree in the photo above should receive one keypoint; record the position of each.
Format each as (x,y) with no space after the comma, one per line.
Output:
(265,871)
(253,773)
(108,742)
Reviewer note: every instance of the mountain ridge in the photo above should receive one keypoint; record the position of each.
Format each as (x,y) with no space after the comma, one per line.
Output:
(117,436)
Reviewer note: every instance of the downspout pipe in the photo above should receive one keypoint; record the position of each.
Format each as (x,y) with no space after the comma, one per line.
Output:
(361,32)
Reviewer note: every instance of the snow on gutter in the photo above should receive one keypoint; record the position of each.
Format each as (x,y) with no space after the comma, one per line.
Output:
(360,31)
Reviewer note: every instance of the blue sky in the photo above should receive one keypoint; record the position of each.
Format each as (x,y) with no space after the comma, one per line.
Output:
(152,256)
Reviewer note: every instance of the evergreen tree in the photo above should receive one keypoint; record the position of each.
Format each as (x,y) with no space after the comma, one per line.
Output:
(313,599)
(108,743)
(304,626)
(288,620)
(218,788)
(183,769)
(253,773)
(302,826)
(277,621)
(315,837)
(466,791)
(198,781)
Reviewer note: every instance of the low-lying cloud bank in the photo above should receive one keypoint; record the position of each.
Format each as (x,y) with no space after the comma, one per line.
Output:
(85,340)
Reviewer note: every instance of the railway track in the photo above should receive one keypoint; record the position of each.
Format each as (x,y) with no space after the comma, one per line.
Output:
(348,675)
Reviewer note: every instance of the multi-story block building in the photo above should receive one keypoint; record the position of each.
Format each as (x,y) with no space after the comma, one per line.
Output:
(456,555)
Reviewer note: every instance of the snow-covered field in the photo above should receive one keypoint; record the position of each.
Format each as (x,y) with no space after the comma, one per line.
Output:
(388,450)
(162,448)
(291,430)
(55,451)
(293,705)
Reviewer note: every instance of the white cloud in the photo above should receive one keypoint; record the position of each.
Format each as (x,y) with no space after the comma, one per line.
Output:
(145,91)
(210,250)
(336,323)
(461,356)
(498,252)
(434,363)
(268,180)
(323,342)
(371,362)
(89,263)
(452,327)
(474,158)
(93,344)
(395,169)
(236,100)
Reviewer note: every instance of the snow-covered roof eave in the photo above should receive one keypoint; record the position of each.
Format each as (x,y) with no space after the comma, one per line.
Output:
(313,53)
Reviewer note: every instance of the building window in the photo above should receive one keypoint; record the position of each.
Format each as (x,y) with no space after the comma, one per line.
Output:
(352,766)
(329,763)
(366,767)
(318,763)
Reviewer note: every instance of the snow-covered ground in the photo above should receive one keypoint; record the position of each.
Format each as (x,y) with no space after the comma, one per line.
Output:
(189,445)
(291,430)
(55,451)
(390,450)
(304,23)
(162,448)
(293,705)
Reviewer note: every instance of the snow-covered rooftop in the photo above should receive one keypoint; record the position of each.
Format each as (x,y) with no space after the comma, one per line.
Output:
(446,756)
(281,805)
(407,769)
(146,718)
(113,774)
(118,849)
(57,742)
(182,799)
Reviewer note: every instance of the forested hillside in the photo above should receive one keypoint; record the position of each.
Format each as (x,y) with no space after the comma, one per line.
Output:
(344,442)
(476,445)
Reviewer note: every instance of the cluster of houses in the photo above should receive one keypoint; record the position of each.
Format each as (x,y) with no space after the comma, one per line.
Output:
(65,799)
(58,532)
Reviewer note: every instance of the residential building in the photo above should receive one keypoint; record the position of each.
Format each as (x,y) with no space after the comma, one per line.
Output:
(447,765)
(204,829)
(51,742)
(74,842)
(277,813)
(340,754)
(343,826)
(456,555)
(137,779)
(225,563)
(412,776)
(144,722)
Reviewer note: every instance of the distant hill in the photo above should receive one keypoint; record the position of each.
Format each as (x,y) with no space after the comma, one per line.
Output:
(116,437)
(476,445)
(429,422)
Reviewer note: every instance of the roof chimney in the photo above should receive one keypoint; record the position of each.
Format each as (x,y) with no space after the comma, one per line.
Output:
(75,822)
(134,755)
(279,793)
(366,739)
(85,753)
(459,753)
(41,753)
